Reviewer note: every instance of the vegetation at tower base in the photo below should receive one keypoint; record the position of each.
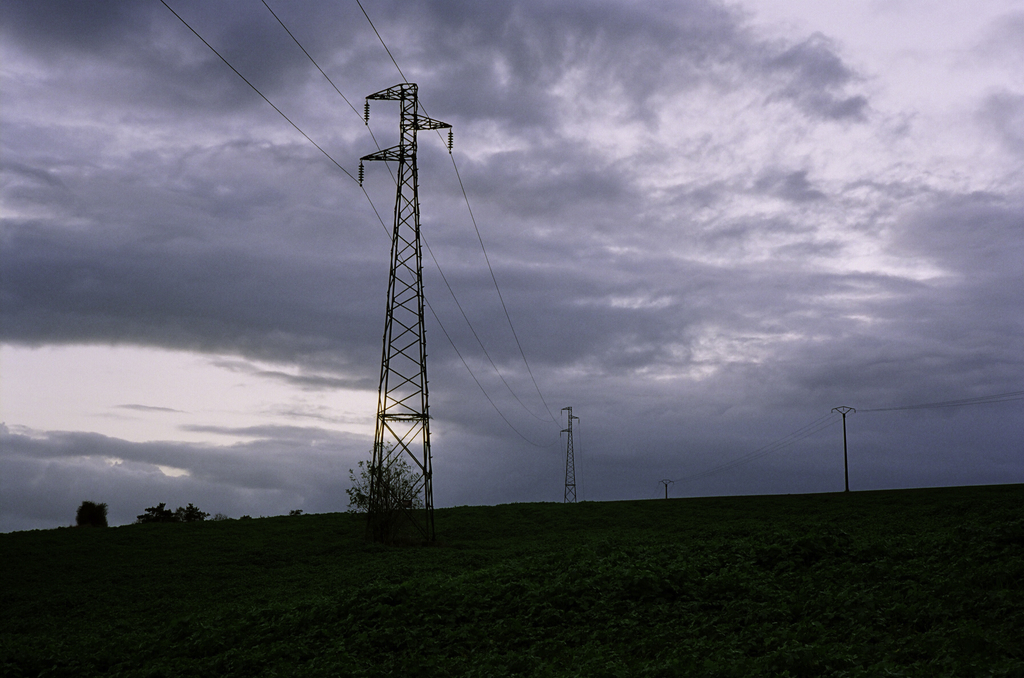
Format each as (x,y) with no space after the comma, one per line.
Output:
(401,492)
(901,583)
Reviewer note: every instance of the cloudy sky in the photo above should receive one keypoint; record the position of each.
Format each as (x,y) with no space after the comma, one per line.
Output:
(710,223)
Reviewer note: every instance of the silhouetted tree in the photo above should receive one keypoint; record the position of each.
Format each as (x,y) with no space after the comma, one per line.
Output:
(91,514)
(190,514)
(295,512)
(157,514)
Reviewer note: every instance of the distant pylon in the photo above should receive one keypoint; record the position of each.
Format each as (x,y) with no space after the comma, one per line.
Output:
(844,410)
(403,416)
(570,462)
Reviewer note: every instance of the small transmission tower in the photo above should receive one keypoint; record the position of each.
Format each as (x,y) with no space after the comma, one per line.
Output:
(403,418)
(570,462)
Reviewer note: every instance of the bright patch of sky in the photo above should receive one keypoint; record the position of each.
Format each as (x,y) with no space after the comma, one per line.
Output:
(145,394)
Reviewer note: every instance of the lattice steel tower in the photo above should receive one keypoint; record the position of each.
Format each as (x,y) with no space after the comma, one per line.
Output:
(570,462)
(403,417)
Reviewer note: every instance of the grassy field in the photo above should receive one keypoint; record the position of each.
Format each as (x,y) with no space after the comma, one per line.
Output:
(895,583)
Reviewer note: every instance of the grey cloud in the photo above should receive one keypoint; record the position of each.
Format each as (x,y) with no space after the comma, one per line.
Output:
(147,408)
(44,478)
(73,290)
(816,80)
(792,186)
(1003,113)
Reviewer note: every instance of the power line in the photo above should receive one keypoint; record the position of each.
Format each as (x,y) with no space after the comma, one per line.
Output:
(370,200)
(482,389)
(254,88)
(476,227)
(497,288)
(475,335)
(310,56)
(370,21)
(429,250)
(963,402)
(805,431)
(367,195)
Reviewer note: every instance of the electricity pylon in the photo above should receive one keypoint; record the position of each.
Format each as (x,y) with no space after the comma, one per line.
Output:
(570,463)
(844,410)
(403,417)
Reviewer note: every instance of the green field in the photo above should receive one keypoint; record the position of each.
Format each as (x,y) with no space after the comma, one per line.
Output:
(894,583)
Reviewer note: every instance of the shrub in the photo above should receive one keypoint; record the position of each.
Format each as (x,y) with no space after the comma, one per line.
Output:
(157,514)
(397,492)
(190,514)
(161,514)
(91,514)
(400,487)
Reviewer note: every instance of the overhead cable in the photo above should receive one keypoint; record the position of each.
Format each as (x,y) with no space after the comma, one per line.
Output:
(476,227)
(980,400)
(805,431)
(255,89)
(426,244)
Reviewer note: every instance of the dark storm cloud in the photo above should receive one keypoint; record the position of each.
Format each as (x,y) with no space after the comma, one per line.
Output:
(693,287)
(73,289)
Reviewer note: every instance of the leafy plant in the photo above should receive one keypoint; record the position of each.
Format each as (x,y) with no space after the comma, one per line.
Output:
(157,514)
(183,514)
(91,514)
(190,514)
(386,493)
(399,486)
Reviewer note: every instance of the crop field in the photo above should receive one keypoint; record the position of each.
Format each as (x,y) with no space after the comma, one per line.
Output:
(891,583)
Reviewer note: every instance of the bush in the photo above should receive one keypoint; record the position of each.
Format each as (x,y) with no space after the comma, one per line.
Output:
(397,489)
(157,514)
(91,515)
(190,514)
(401,487)
(160,514)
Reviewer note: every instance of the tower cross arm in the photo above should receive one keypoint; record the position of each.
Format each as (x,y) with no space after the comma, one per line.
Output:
(394,92)
(421,122)
(393,153)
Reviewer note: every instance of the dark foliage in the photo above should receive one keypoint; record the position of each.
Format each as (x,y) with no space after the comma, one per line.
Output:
(190,514)
(183,514)
(157,514)
(91,514)
(400,492)
(401,487)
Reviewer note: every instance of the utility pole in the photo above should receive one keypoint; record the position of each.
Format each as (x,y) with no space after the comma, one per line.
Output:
(403,417)
(844,410)
(666,483)
(570,463)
